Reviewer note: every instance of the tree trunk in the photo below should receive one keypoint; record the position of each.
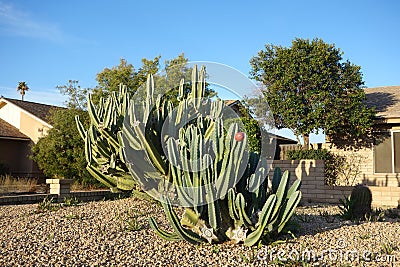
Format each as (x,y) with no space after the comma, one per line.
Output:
(306,140)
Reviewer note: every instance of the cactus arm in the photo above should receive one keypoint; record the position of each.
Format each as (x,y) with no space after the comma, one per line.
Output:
(88,150)
(151,151)
(92,112)
(80,127)
(149,97)
(189,218)
(281,192)
(295,187)
(290,207)
(276,180)
(103,149)
(240,205)
(263,220)
(194,82)
(104,179)
(130,137)
(183,233)
(214,212)
(126,182)
(112,141)
(231,205)
(161,233)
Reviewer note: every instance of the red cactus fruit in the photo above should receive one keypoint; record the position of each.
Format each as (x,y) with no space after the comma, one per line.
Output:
(239,136)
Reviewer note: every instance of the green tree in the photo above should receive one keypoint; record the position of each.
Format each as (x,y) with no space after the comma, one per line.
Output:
(22,88)
(60,153)
(309,87)
(76,94)
(109,79)
(167,82)
(167,77)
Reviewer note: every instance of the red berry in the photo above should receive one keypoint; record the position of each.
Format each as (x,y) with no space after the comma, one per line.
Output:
(239,136)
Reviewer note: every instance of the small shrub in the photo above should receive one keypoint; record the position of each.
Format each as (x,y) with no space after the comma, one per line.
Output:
(131,224)
(346,208)
(71,201)
(329,218)
(72,216)
(388,248)
(331,160)
(47,205)
(364,236)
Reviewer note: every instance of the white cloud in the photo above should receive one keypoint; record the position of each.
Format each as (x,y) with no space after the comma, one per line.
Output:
(20,23)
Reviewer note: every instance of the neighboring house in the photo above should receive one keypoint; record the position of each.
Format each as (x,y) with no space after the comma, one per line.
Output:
(22,123)
(274,138)
(379,164)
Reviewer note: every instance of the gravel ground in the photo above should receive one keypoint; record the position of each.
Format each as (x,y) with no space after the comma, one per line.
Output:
(116,233)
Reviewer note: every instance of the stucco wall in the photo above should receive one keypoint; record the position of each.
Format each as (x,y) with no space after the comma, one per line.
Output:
(32,128)
(10,114)
(14,155)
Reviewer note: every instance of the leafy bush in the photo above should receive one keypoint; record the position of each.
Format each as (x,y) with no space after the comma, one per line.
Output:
(332,161)
(61,152)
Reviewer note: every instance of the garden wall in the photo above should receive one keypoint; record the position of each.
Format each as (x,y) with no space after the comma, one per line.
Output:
(314,190)
(83,196)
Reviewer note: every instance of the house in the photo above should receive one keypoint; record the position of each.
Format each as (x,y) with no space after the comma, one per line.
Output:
(277,140)
(379,163)
(22,123)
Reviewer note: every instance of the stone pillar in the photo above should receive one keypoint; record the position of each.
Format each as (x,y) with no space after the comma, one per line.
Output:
(60,187)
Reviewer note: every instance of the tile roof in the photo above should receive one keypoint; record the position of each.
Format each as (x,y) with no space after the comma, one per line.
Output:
(386,101)
(41,111)
(7,130)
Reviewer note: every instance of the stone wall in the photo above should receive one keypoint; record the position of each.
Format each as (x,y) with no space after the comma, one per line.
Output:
(314,189)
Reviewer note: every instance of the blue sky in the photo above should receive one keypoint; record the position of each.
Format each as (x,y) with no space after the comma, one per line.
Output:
(46,43)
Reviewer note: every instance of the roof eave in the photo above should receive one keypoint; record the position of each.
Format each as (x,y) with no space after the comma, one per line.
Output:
(28,113)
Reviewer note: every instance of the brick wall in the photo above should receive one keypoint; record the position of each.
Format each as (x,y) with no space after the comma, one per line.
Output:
(314,190)
(366,174)
(83,196)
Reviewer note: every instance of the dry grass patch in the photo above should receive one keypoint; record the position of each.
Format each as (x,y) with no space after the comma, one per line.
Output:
(9,184)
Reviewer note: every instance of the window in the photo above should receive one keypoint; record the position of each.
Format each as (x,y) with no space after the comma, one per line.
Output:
(387,154)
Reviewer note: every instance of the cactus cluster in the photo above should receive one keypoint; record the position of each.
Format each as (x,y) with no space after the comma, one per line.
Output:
(184,156)
(103,150)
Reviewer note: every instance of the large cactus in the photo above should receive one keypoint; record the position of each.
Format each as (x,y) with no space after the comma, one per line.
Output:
(103,147)
(184,156)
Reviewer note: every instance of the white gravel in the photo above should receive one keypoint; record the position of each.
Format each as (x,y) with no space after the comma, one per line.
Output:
(98,234)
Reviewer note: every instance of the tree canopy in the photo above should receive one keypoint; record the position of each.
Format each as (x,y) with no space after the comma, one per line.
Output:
(309,87)
(22,88)
(60,153)
(166,77)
